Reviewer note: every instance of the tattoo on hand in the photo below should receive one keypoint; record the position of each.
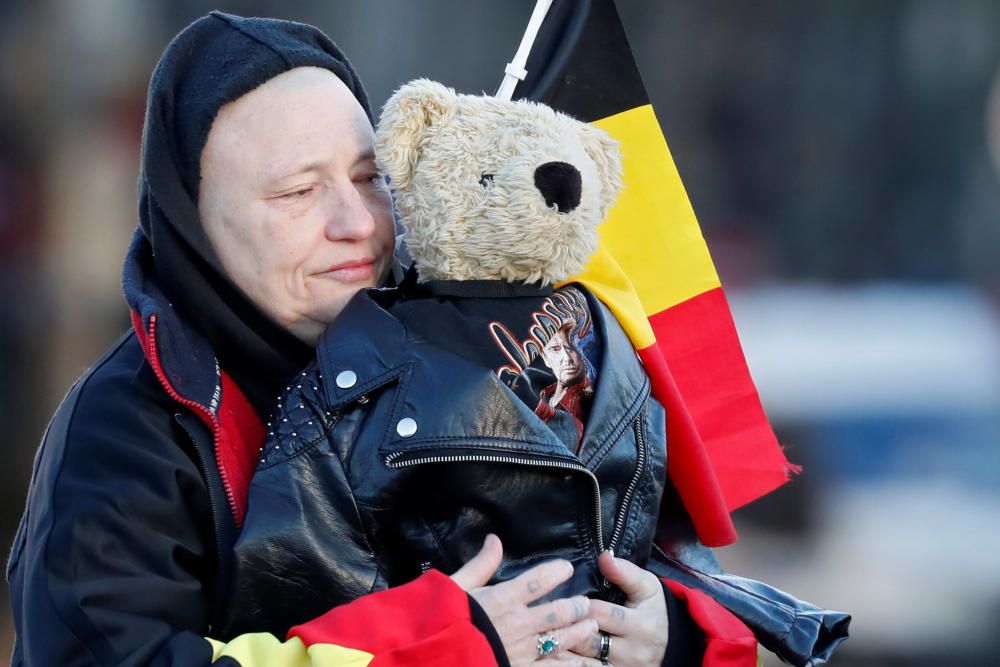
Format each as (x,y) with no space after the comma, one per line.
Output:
(618,612)
(551,619)
(533,586)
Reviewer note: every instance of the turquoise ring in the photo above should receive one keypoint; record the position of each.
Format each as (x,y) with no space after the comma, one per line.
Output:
(547,644)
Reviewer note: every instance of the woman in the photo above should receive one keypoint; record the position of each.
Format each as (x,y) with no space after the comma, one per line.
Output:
(261,213)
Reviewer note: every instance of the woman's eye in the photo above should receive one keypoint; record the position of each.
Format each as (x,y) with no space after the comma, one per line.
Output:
(297,194)
(486,179)
(370,179)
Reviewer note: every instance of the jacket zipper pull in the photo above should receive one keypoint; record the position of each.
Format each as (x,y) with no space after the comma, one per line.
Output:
(605,584)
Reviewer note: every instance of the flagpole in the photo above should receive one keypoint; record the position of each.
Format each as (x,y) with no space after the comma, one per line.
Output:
(515,72)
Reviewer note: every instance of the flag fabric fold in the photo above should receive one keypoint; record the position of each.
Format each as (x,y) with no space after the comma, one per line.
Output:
(654,270)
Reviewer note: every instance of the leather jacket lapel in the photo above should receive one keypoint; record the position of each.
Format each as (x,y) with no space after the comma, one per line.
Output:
(622,388)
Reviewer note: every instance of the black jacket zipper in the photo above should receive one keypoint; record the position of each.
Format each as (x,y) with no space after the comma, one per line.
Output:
(640,468)
(205,471)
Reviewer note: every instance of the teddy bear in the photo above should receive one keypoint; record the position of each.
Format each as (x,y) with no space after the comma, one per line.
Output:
(509,192)
(489,189)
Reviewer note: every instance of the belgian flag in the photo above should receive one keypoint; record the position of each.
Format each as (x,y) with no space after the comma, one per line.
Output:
(654,271)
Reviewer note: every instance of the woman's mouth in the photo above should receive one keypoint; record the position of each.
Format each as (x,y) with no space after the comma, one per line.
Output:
(352,271)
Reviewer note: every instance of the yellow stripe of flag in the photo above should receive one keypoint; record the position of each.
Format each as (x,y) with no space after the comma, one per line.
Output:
(651,237)
(261,649)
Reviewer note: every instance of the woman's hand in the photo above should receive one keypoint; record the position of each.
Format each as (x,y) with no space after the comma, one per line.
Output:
(639,629)
(519,625)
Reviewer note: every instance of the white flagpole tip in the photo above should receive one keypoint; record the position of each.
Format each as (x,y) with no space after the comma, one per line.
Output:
(515,71)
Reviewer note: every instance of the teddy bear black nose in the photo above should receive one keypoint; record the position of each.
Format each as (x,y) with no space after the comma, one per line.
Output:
(559,183)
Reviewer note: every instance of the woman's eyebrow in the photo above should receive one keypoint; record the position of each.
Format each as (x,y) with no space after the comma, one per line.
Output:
(283,172)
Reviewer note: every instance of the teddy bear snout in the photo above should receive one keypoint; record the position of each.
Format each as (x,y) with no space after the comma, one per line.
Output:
(560,184)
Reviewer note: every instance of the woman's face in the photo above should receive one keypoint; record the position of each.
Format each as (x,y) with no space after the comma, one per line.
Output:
(291,201)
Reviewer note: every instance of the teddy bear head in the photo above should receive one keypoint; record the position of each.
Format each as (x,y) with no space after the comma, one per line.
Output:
(488,189)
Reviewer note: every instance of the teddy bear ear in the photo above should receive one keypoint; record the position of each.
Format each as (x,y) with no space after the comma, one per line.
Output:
(604,151)
(402,129)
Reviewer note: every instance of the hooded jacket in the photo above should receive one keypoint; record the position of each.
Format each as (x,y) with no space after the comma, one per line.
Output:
(139,483)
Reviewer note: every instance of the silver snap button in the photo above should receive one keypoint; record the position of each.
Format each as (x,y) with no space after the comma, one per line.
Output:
(406,427)
(346,379)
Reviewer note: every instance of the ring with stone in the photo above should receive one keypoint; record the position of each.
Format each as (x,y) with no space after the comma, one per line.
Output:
(547,644)
(605,649)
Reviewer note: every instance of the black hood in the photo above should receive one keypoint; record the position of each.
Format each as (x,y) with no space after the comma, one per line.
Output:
(212,62)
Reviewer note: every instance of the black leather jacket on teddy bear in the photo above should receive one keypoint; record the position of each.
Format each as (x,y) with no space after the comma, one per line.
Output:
(392,455)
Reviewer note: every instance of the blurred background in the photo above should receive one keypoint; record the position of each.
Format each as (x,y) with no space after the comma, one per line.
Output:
(839,157)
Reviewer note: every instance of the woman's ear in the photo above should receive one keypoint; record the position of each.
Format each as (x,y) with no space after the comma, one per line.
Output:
(404,126)
(605,153)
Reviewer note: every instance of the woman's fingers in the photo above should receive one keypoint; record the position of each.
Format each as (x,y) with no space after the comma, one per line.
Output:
(589,646)
(557,613)
(576,633)
(612,618)
(636,583)
(480,568)
(625,628)
(565,638)
(639,631)
(533,584)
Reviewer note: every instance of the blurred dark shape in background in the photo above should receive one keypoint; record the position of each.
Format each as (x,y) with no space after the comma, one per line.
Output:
(837,155)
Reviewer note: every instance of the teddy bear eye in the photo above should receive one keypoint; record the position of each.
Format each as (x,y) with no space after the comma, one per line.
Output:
(486,179)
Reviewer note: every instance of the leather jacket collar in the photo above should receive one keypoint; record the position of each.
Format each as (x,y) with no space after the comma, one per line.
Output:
(385,356)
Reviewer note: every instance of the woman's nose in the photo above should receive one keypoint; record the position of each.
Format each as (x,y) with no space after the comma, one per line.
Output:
(348,218)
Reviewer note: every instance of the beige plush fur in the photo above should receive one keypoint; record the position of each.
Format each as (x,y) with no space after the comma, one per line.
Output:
(436,146)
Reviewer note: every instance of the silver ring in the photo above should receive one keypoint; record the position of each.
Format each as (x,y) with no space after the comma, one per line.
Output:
(547,644)
(605,649)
